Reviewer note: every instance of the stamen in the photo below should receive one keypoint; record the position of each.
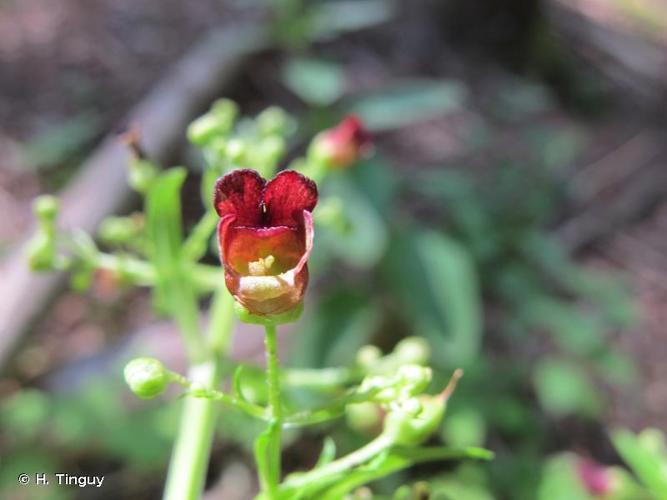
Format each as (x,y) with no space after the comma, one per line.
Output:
(261,266)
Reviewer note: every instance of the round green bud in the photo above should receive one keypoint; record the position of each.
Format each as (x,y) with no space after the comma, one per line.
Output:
(413,379)
(225,112)
(41,252)
(271,149)
(413,421)
(368,356)
(364,417)
(203,129)
(119,229)
(81,278)
(146,377)
(236,151)
(46,207)
(273,121)
(413,350)
(141,174)
(218,148)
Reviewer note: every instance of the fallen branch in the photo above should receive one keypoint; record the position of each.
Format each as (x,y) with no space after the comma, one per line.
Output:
(101,187)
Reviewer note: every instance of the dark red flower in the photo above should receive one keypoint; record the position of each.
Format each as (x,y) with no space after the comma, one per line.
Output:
(265,235)
(345,144)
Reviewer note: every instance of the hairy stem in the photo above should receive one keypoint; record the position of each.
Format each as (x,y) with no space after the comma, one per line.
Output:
(270,484)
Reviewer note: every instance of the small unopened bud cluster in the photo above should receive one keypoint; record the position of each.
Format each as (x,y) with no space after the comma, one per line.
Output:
(408,381)
(410,350)
(42,248)
(122,230)
(227,144)
(395,387)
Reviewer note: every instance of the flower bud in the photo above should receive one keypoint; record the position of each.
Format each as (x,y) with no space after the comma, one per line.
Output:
(341,146)
(117,230)
(45,208)
(236,151)
(141,173)
(41,252)
(595,477)
(225,111)
(268,154)
(146,377)
(274,121)
(413,379)
(216,123)
(414,350)
(364,417)
(218,152)
(368,355)
(408,381)
(42,248)
(413,421)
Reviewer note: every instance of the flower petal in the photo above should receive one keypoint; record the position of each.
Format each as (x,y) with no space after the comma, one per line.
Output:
(287,196)
(239,193)
(244,245)
(309,237)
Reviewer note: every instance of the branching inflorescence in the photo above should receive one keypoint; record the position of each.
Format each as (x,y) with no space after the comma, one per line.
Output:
(265,234)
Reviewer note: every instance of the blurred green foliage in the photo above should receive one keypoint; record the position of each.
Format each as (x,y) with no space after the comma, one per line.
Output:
(464,260)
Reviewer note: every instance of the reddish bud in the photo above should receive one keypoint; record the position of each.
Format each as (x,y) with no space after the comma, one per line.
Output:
(343,145)
(595,477)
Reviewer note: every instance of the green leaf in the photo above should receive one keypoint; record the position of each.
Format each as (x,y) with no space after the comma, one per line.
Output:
(26,413)
(236,383)
(364,242)
(63,141)
(647,456)
(165,232)
(316,82)
(407,102)
(564,389)
(577,331)
(398,459)
(467,482)
(332,18)
(465,427)
(267,451)
(435,282)
(328,452)
(619,368)
(378,181)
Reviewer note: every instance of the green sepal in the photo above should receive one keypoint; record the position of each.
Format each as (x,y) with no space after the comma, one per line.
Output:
(246,316)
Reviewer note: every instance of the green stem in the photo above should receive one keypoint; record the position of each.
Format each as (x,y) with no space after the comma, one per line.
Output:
(189,462)
(251,409)
(273,371)
(196,246)
(270,484)
(332,469)
(324,379)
